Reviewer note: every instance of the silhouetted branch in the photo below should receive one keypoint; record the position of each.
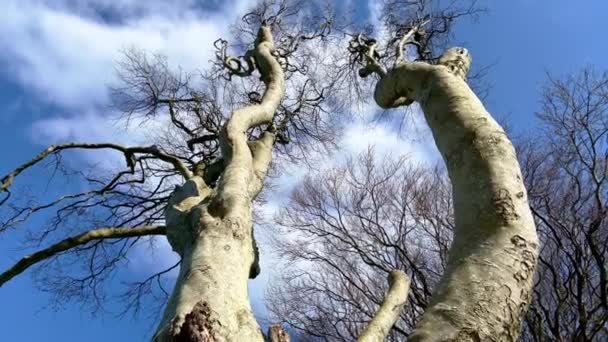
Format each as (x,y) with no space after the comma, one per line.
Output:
(129,153)
(71,242)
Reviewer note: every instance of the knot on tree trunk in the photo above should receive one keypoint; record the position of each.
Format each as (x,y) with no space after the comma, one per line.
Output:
(198,326)
(186,213)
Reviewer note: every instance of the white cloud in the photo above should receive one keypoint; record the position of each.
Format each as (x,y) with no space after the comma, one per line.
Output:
(68,59)
(64,53)
(375,13)
(409,136)
(359,136)
(89,126)
(375,19)
(121,8)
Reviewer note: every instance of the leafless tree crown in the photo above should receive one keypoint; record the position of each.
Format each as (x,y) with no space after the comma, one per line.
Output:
(354,223)
(97,228)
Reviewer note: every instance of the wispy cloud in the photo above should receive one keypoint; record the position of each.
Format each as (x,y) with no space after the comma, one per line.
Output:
(67,59)
(63,53)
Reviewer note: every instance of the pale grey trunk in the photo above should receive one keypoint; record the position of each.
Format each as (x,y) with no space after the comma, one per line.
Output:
(389,310)
(487,285)
(217,256)
(211,229)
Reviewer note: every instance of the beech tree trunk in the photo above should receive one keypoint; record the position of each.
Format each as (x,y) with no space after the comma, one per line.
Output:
(211,228)
(488,281)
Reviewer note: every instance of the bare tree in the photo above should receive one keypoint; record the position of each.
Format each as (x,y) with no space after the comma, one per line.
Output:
(565,168)
(373,214)
(346,229)
(486,288)
(196,185)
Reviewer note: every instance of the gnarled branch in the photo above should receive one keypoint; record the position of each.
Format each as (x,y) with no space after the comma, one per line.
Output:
(406,39)
(233,64)
(365,51)
(234,142)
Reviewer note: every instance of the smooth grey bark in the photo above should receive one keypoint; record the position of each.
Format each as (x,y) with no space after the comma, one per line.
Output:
(389,310)
(488,281)
(211,229)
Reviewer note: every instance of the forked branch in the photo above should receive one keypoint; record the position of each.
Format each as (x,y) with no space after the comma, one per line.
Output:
(407,39)
(129,153)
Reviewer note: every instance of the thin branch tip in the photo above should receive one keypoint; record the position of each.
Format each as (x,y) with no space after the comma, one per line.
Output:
(77,240)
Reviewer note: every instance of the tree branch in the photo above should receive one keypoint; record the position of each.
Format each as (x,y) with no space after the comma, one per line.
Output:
(176,121)
(129,152)
(232,64)
(389,310)
(261,151)
(200,140)
(406,39)
(365,48)
(96,234)
(233,138)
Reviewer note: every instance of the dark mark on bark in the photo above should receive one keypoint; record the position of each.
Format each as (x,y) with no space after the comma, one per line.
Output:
(198,325)
(505,209)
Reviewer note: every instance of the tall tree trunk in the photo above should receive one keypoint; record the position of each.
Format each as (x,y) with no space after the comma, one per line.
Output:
(210,300)
(211,229)
(487,285)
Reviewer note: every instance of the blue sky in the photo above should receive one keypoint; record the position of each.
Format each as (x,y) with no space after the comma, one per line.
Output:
(57,57)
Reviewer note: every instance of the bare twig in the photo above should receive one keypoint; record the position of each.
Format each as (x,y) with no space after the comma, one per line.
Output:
(128,152)
(365,48)
(71,242)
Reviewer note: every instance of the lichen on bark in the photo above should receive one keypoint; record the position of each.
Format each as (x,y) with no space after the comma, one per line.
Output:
(486,288)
